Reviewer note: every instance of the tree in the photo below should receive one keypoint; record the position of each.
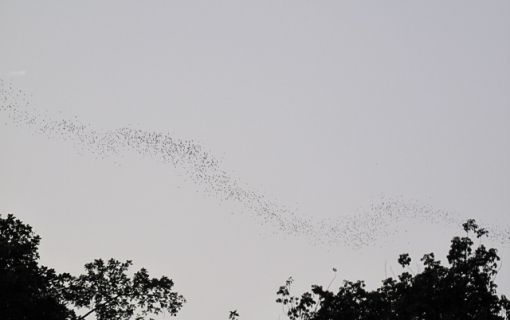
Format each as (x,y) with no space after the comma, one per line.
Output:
(107,290)
(463,290)
(29,291)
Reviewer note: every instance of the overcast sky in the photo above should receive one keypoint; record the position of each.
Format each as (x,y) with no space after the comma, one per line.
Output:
(324,107)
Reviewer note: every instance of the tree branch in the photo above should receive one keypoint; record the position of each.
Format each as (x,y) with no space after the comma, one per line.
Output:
(100,305)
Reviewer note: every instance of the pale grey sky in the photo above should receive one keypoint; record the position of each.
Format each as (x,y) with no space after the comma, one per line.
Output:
(324,106)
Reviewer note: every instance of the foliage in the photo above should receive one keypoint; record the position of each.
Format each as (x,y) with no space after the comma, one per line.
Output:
(463,290)
(107,290)
(29,291)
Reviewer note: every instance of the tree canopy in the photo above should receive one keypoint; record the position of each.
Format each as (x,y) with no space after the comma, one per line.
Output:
(30,291)
(463,290)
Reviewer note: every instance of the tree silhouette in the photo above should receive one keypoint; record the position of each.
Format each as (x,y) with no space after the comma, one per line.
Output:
(29,291)
(463,290)
(107,291)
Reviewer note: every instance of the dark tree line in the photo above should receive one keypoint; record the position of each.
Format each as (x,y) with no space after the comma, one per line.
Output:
(462,290)
(29,291)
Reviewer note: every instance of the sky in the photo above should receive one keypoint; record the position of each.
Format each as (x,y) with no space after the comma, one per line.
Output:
(342,133)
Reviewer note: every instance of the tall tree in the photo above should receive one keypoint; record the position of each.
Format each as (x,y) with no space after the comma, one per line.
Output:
(29,291)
